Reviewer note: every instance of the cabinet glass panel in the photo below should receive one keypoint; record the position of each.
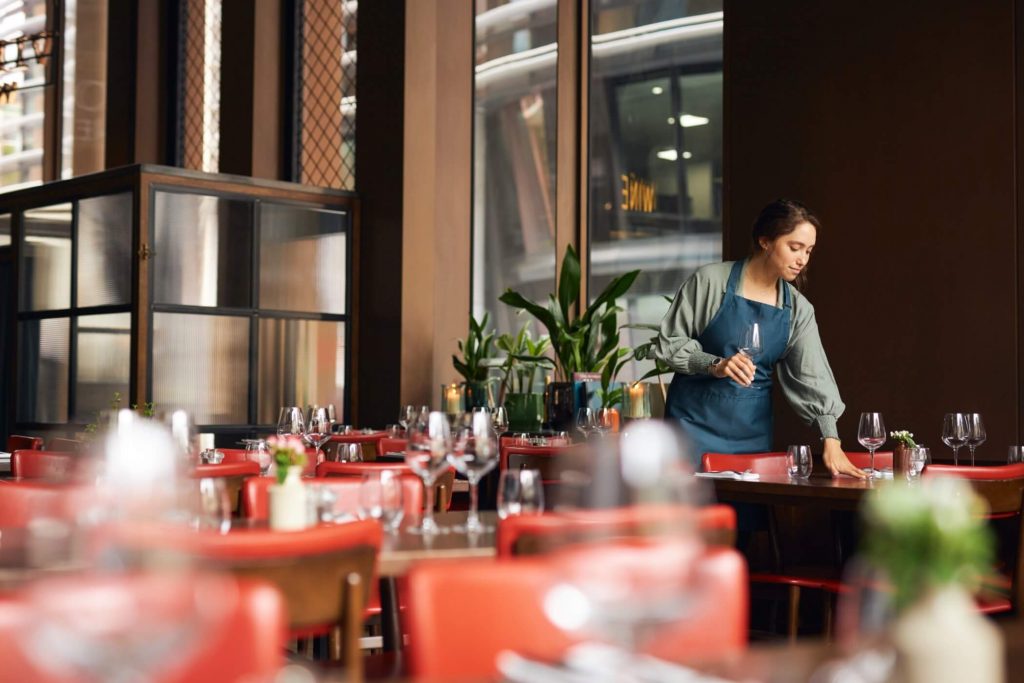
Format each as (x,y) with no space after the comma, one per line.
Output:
(43,370)
(202,250)
(102,365)
(302,259)
(5,230)
(201,365)
(104,250)
(45,279)
(301,362)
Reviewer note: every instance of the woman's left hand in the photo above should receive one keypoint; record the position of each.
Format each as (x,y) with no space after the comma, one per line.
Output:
(837,462)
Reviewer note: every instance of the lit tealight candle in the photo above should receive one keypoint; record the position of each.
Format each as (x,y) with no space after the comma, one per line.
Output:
(453,400)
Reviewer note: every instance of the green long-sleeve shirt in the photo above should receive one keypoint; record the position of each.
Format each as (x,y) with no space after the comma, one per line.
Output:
(803,370)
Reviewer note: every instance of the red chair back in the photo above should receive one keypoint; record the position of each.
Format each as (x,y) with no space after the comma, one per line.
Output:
(369,443)
(979,473)
(531,534)
(20,502)
(62,445)
(392,445)
(30,464)
(227,469)
(461,638)
(769,464)
(883,459)
(245,643)
(26,443)
(565,469)
(442,488)
(256,496)
(233,455)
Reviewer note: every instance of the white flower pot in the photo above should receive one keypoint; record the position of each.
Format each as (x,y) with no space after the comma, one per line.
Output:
(943,639)
(288,503)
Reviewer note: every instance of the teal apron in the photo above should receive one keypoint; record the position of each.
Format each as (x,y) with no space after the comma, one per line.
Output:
(719,415)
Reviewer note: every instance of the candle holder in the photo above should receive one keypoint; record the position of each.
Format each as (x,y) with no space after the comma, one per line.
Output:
(452,398)
(636,401)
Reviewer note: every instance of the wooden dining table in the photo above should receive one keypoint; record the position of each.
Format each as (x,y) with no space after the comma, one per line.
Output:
(820,489)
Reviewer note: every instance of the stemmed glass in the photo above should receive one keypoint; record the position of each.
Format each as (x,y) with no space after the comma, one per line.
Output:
(751,344)
(380,498)
(406,416)
(954,433)
(499,420)
(430,442)
(975,433)
(290,422)
(257,450)
(871,435)
(476,454)
(605,421)
(318,430)
(585,421)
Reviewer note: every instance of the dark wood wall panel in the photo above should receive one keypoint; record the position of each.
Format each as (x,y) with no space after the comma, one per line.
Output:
(896,123)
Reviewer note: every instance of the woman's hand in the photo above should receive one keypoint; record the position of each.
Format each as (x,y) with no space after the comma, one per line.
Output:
(738,368)
(837,462)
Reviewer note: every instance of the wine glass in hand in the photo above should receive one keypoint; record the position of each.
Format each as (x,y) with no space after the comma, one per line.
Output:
(750,346)
(954,433)
(871,435)
(975,433)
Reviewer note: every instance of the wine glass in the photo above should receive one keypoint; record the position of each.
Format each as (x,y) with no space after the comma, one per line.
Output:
(406,416)
(871,435)
(975,433)
(430,442)
(318,430)
(750,346)
(1016,455)
(520,492)
(499,420)
(257,451)
(475,454)
(606,421)
(585,421)
(380,498)
(213,505)
(917,458)
(954,433)
(290,422)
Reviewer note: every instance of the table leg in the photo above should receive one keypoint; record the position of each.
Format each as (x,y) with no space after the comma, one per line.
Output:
(390,615)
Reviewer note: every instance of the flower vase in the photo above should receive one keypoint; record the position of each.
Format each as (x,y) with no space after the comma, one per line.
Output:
(525,412)
(943,639)
(288,503)
(899,460)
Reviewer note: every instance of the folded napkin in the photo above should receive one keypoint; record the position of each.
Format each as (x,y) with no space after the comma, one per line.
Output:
(599,663)
(729,474)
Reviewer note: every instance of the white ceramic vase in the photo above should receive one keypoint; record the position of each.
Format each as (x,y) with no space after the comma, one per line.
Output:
(288,503)
(944,639)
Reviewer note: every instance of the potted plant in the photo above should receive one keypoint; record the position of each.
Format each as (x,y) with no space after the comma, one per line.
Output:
(288,496)
(904,441)
(477,350)
(583,341)
(610,396)
(523,357)
(933,547)
(645,351)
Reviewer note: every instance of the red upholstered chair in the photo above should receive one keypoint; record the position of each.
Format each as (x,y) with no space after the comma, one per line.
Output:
(565,469)
(256,505)
(533,534)
(393,445)
(23,501)
(883,459)
(28,443)
(768,464)
(62,445)
(1002,487)
(442,488)
(234,455)
(370,443)
(31,464)
(244,644)
(499,606)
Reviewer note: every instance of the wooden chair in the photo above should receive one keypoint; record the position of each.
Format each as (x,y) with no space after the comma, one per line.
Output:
(246,642)
(1002,487)
(32,464)
(536,534)
(27,443)
(461,615)
(442,487)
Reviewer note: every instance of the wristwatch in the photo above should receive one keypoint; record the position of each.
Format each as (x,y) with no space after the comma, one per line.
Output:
(712,364)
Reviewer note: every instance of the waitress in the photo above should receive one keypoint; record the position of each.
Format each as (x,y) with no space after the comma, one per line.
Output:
(723,397)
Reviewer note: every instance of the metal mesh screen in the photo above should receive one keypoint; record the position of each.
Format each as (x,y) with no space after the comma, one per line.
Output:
(328,93)
(200,114)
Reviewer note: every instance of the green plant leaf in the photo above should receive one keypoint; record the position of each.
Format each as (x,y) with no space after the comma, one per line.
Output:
(569,281)
(517,300)
(615,289)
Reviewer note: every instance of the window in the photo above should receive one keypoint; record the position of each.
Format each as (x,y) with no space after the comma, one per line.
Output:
(655,148)
(22,113)
(514,153)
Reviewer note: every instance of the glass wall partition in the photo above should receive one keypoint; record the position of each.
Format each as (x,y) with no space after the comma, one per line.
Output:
(655,146)
(227,299)
(514,144)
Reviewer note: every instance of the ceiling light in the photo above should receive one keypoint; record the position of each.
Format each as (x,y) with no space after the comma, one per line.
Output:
(687,155)
(657,90)
(689,120)
(668,155)
(671,120)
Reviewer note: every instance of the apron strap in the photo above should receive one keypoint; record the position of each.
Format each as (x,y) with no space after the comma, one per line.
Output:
(734,276)
(787,302)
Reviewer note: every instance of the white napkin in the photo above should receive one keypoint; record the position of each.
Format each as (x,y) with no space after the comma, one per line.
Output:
(729,474)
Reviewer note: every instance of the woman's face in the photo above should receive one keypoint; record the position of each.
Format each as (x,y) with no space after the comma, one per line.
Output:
(789,254)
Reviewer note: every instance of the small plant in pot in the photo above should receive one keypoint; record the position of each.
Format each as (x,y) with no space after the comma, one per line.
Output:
(523,358)
(477,351)
(583,342)
(904,441)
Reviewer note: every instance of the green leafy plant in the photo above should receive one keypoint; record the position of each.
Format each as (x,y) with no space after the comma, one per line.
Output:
(582,342)
(286,451)
(476,349)
(523,357)
(613,397)
(148,410)
(903,437)
(925,537)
